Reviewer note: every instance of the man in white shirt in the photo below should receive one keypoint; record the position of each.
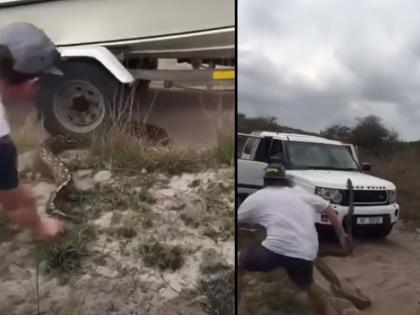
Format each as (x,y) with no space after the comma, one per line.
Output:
(25,53)
(288,214)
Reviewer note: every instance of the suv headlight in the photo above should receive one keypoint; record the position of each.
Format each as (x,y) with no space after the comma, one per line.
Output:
(333,195)
(392,196)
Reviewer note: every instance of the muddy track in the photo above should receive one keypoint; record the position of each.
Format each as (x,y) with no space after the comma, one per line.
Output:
(387,271)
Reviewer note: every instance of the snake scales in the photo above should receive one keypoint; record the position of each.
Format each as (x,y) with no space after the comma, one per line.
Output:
(60,173)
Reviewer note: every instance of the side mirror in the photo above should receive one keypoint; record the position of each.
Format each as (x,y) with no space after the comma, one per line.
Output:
(367,167)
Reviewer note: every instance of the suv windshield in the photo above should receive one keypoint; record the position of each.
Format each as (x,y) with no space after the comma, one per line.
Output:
(306,155)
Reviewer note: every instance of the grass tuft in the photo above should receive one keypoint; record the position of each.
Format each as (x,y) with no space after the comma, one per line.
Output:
(65,255)
(161,256)
(216,286)
(225,148)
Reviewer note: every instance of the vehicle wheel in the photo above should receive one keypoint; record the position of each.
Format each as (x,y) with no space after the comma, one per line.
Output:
(76,103)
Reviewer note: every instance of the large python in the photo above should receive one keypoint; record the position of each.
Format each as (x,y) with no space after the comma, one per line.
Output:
(61,175)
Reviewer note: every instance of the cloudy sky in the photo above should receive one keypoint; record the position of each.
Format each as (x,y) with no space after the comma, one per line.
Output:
(314,63)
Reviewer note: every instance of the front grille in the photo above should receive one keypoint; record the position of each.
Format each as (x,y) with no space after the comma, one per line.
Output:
(366,197)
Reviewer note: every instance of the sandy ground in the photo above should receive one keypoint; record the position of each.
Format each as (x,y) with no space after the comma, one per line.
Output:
(113,278)
(121,283)
(385,270)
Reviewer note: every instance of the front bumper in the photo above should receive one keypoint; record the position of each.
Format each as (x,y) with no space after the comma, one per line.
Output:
(390,213)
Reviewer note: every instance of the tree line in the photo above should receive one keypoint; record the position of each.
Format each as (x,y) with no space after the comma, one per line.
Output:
(369,133)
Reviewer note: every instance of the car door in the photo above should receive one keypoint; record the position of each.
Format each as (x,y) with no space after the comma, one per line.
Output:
(249,177)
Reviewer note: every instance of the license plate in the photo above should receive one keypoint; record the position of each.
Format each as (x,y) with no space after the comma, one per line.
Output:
(370,220)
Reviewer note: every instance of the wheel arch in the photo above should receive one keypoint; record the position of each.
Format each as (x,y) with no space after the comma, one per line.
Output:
(100,55)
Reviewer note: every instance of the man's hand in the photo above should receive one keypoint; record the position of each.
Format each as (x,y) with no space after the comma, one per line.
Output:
(346,243)
(343,238)
(20,207)
(49,228)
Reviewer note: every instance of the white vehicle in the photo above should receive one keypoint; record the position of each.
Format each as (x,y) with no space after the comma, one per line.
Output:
(320,166)
(107,44)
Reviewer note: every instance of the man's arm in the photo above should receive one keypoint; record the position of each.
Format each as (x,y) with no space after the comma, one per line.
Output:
(341,234)
(18,202)
(323,206)
(332,217)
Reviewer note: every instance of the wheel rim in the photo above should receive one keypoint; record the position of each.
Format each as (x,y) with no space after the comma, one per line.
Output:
(79,106)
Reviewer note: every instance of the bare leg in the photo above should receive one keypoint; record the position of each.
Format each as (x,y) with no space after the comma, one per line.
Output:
(317,299)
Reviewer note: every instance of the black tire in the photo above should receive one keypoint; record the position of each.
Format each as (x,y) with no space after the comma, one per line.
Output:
(78,102)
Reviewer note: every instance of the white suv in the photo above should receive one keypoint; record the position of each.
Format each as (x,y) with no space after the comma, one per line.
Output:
(321,166)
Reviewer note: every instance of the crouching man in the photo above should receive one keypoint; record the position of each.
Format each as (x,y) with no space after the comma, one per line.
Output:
(288,214)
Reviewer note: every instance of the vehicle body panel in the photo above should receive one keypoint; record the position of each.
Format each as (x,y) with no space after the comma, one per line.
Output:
(251,177)
(155,27)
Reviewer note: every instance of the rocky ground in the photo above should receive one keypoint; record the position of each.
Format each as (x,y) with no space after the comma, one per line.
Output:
(147,243)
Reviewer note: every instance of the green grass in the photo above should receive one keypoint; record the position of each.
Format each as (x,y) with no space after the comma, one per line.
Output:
(214,216)
(119,151)
(225,148)
(163,257)
(126,231)
(105,198)
(219,216)
(402,169)
(216,286)
(65,255)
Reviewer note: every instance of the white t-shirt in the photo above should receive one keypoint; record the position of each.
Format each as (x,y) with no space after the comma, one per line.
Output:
(288,215)
(4,124)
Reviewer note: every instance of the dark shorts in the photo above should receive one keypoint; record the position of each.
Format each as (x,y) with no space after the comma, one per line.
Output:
(259,258)
(8,164)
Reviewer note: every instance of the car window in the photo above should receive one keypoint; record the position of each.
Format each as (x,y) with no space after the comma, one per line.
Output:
(276,152)
(320,156)
(248,147)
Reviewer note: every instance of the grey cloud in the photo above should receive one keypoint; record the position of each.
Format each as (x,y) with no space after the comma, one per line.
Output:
(376,49)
